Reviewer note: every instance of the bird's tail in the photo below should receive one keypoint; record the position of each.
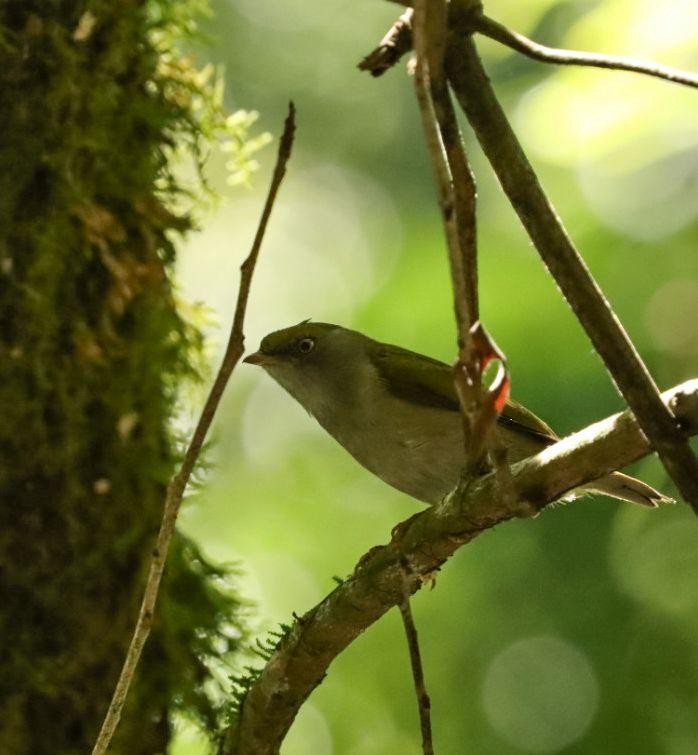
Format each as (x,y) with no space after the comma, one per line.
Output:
(626,488)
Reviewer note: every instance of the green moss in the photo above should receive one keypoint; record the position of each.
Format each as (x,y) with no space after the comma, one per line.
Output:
(95,106)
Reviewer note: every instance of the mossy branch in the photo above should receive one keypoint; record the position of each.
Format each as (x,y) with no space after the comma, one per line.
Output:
(425,542)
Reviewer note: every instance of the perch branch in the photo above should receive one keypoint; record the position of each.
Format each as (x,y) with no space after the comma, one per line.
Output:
(300,662)
(420,687)
(178,484)
(518,42)
(475,94)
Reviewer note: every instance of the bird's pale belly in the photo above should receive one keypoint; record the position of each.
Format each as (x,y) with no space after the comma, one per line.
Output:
(418,451)
(421,458)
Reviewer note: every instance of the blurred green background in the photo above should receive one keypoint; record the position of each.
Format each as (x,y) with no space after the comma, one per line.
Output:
(571,633)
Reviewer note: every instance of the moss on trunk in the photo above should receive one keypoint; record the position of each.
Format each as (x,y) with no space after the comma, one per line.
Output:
(91,350)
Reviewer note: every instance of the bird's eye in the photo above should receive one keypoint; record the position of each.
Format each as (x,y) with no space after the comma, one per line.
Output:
(306,345)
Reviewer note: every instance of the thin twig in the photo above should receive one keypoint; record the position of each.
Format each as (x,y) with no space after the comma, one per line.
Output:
(379,582)
(500,33)
(520,183)
(177,486)
(464,266)
(420,688)
(455,183)
(457,200)
(428,70)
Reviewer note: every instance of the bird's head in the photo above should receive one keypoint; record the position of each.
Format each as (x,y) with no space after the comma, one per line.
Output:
(312,361)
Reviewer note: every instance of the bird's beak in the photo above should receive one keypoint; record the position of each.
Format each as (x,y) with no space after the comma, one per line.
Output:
(258,358)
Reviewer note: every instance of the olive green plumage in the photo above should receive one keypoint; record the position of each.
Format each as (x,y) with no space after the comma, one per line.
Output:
(397,412)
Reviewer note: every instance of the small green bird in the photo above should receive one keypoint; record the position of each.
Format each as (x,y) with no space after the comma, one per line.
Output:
(396,412)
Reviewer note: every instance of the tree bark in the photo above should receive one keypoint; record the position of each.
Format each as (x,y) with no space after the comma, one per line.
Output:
(91,347)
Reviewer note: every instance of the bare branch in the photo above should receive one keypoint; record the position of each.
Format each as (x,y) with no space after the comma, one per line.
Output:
(300,662)
(480,407)
(520,183)
(500,33)
(177,486)
(455,182)
(391,48)
(420,688)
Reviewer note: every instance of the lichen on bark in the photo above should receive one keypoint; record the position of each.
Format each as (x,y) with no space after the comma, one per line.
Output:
(94,101)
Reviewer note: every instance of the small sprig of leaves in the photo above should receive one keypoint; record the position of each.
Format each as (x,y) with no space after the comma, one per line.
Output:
(204,125)
(241,683)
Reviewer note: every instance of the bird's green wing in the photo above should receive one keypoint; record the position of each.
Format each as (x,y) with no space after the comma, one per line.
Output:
(414,377)
(421,380)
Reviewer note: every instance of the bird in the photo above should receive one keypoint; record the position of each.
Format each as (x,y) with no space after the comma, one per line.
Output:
(397,412)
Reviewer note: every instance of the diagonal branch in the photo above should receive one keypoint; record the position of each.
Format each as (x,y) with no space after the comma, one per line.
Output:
(518,42)
(302,658)
(178,484)
(475,94)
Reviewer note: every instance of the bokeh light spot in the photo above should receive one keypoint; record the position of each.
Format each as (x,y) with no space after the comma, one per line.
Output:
(656,560)
(334,239)
(309,733)
(540,694)
(294,15)
(643,201)
(272,422)
(671,317)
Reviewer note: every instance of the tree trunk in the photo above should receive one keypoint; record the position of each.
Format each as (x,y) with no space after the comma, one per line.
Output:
(91,347)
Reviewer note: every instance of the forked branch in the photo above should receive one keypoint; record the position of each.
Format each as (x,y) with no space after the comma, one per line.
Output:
(398,41)
(521,185)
